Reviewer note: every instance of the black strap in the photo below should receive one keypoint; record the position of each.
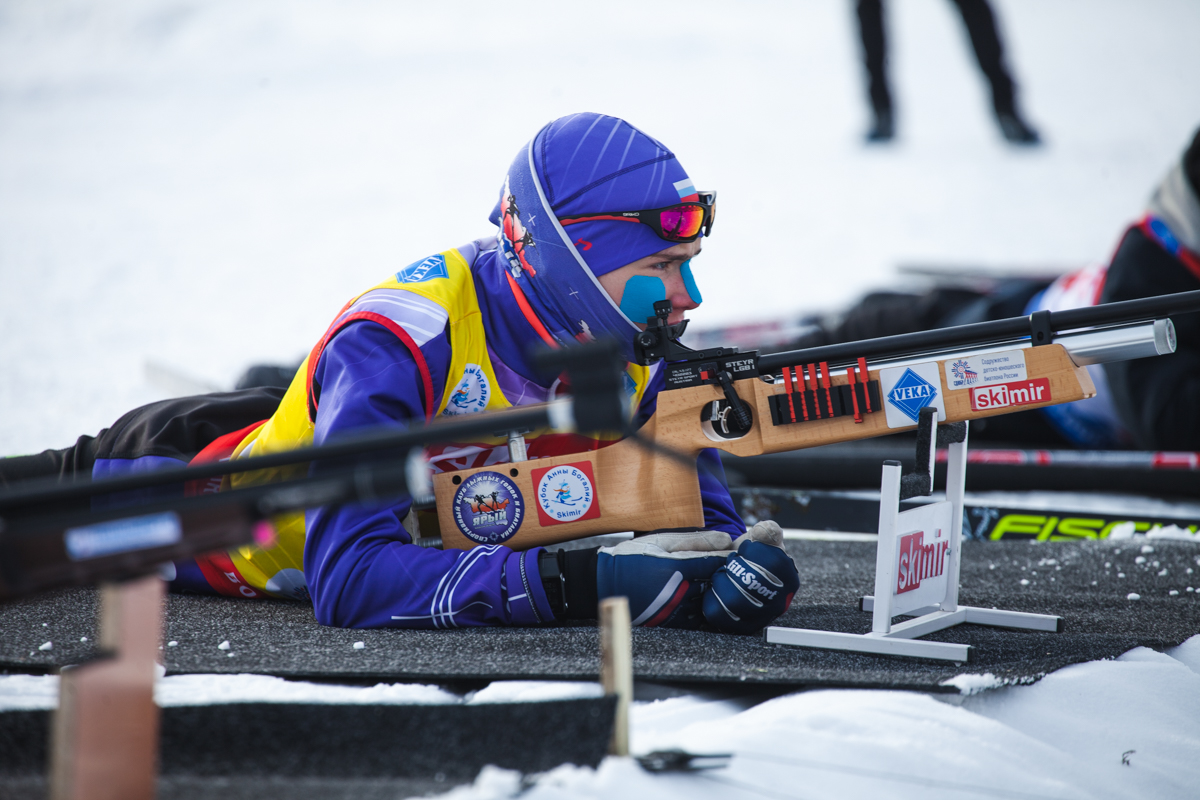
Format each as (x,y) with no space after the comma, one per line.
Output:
(569,578)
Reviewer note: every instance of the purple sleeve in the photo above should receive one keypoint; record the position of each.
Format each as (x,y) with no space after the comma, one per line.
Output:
(719,511)
(361,567)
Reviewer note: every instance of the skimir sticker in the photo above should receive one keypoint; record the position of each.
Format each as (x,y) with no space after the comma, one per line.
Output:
(918,560)
(566,493)
(963,373)
(470,394)
(430,268)
(1019,393)
(488,508)
(909,389)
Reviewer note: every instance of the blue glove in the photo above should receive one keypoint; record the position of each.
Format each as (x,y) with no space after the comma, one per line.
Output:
(664,575)
(756,584)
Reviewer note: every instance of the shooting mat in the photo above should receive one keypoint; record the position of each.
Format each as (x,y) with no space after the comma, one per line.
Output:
(282,638)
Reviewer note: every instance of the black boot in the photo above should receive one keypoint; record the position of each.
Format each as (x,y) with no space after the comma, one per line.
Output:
(882,128)
(1016,130)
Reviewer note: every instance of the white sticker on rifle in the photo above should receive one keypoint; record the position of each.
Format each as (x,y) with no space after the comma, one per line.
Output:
(123,535)
(906,390)
(971,371)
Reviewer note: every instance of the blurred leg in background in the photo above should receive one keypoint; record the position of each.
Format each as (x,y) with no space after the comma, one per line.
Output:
(981,28)
(870,25)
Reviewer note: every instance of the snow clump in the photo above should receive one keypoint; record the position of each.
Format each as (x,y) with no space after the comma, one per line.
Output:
(1123,531)
(1171,532)
(974,684)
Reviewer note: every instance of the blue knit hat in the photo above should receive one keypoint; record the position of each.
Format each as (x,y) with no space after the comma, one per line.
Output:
(583,164)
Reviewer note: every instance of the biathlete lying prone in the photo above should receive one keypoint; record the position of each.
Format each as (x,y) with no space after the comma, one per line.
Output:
(596,221)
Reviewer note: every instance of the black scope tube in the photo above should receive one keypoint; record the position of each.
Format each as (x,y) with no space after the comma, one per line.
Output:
(365,482)
(1013,328)
(374,441)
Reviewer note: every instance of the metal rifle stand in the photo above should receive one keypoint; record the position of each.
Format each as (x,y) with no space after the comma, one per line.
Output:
(917,564)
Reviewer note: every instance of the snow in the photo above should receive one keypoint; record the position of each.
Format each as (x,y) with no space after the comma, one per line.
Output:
(973,684)
(1172,532)
(41,691)
(202,186)
(189,690)
(534,691)
(1063,737)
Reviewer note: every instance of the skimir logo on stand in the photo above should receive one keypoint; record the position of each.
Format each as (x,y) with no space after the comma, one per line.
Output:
(430,268)
(912,393)
(488,508)
(566,493)
(918,561)
(470,394)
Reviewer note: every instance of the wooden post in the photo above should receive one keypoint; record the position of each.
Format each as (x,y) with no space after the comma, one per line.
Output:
(616,666)
(104,740)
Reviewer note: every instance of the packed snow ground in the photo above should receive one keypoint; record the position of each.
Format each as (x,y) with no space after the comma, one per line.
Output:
(202,185)
(1127,728)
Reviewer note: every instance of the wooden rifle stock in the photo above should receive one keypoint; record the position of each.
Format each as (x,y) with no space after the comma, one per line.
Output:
(638,489)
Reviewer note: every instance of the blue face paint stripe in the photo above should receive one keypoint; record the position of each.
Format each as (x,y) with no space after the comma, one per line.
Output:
(640,295)
(689,282)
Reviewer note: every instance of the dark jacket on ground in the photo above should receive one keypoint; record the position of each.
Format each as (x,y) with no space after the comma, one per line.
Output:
(1157,398)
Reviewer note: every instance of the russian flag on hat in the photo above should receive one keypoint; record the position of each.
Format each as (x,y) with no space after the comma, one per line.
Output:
(687,191)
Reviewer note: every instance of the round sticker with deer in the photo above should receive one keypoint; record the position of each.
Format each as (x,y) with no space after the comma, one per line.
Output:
(488,508)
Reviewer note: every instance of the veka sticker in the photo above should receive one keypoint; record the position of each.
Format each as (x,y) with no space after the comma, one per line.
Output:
(430,268)
(909,389)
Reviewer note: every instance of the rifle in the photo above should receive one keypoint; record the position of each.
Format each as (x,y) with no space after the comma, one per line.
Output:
(748,404)
(43,547)
(741,403)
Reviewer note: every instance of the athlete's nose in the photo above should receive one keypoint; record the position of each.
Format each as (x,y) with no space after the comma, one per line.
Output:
(681,300)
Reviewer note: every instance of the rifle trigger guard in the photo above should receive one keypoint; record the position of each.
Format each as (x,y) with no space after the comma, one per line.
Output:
(730,418)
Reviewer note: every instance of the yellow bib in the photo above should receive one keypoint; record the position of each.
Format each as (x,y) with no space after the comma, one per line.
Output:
(418,303)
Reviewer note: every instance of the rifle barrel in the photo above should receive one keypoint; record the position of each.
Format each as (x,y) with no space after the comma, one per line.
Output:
(558,414)
(1013,329)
